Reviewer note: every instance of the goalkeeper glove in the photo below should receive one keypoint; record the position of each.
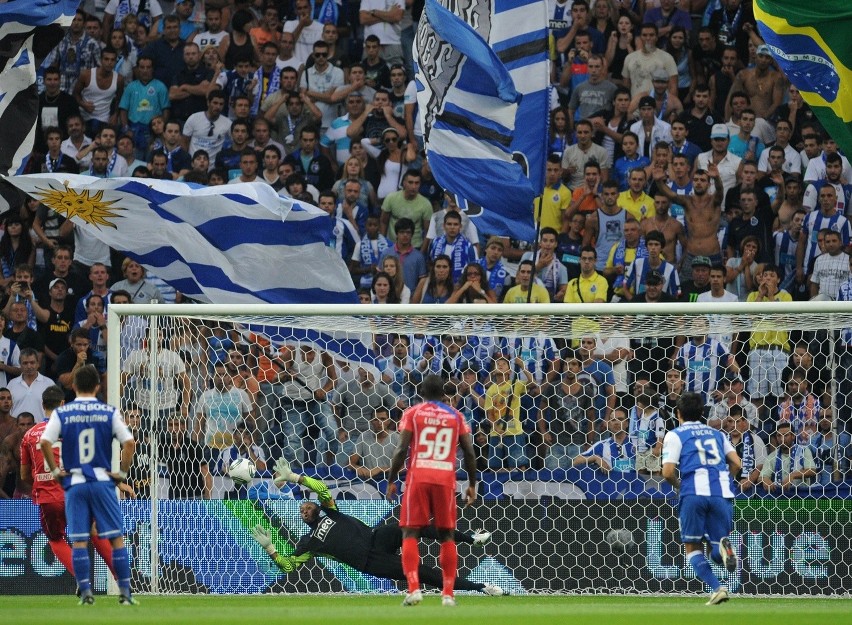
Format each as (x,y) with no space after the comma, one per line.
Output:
(285,563)
(264,539)
(284,474)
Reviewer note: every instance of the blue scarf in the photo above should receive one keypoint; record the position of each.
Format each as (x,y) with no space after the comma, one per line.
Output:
(679,150)
(328,12)
(444,362)
(749,461)
(621,252)
(664,105)
(497,275)
(459,256)
(368,257)
(49,163)
(169,155)
(796,462)
(272,86)
(141,10)
(550,276)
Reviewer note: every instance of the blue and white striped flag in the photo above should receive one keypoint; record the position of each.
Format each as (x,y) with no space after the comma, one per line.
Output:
(231,244)
(18,96)
(480,75)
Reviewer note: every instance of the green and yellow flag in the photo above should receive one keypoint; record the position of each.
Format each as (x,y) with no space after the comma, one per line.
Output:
(812,43)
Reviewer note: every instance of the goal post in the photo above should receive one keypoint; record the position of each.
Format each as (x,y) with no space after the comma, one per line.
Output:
(550,390)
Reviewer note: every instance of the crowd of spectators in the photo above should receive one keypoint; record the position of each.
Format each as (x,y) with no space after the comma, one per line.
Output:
(682,165)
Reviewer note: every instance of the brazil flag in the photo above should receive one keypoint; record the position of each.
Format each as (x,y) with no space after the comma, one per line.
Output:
(812,43)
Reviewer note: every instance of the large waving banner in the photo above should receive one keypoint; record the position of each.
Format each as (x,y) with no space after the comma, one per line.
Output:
(230,244)
(482,79)
(813,47)
(18,96)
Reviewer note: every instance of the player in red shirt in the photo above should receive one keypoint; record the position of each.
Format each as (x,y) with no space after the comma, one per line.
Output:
(47,491)
(430,484)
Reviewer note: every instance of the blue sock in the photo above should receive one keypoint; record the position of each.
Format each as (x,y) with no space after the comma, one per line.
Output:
(121,564)
(715,554)
(82,567)
(702,569)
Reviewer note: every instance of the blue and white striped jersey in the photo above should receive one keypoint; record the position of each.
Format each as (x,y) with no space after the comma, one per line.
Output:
(646,428)
(703,364)
(844,294)
(785,256)
(538,353)
(639,273)
(700,451)
(816,221)
(86,427)
(621,458)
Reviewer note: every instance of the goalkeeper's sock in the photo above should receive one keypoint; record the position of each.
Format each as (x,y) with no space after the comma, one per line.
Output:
(121,562)
(461,537)
(104,549)
(702,569)
(62,551)
(318,486)
(411,562)
(715,554)
(449,560)
(82,568)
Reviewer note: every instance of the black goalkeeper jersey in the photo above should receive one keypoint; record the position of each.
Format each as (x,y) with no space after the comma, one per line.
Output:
(338,536)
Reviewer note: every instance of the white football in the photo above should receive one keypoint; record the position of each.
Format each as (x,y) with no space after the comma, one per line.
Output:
(620,540)
(242,471)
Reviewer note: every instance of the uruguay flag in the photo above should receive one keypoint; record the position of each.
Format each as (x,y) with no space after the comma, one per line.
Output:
(812,46)
(231,244)
(18,95)
(468,98)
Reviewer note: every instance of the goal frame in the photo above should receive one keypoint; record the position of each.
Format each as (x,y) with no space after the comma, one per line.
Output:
(155,312)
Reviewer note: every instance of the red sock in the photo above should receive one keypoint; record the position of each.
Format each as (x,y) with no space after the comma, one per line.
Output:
(449,560)
(104,549)
(411,562)
(62,551)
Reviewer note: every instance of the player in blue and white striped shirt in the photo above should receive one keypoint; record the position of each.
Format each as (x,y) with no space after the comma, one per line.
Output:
(705,459)
(87,427)
(703,359)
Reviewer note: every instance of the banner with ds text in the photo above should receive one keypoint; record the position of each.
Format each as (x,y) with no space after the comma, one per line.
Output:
(793,547)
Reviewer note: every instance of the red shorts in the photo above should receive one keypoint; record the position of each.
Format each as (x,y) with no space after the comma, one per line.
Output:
(53,519)
(423,502)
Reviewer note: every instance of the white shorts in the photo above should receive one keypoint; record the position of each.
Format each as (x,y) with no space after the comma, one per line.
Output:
(765,369)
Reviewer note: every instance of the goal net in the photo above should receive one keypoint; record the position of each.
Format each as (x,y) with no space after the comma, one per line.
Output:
(568,405)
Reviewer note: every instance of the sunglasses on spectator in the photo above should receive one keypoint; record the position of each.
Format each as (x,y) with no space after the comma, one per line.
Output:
(391,139)
(321,54)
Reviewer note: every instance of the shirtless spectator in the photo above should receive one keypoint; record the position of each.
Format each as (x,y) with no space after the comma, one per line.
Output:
(672,229)
(702,212)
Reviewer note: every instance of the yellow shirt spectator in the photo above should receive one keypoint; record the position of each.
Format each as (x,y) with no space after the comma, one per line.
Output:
(554,202)
(589,290)
(765,336)
(640,208)
(499,407)
(516,295)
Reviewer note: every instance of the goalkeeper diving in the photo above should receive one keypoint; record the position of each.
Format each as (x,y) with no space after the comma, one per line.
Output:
(348,540)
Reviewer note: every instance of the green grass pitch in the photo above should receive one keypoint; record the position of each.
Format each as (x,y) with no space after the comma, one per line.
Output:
(385,609)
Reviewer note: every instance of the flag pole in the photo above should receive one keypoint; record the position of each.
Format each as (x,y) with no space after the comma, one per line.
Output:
(535,247)
(545,143)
